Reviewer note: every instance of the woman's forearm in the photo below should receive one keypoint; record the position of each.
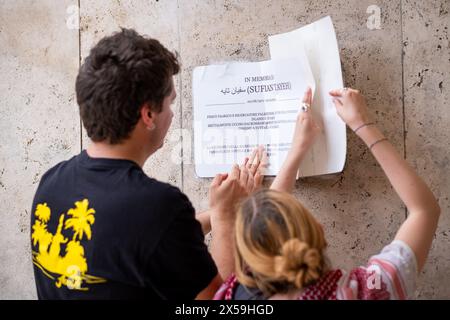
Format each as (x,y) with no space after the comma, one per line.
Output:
(409,186)
(204,218)
(285,180)
(221,248)
(419,228)
(305,132)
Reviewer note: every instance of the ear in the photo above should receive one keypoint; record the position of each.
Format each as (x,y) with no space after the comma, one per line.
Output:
(148,116)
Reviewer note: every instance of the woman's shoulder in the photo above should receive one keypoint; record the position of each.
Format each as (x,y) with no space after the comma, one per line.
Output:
(388,275)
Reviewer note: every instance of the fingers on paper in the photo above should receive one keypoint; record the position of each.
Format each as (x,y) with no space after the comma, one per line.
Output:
(263,165)
(336,93)
(259,176)
(264,161)
(244,175)
(337,102)
(251,158)
(235,172)
(308,96)
(250,183)
(217,180)
(258,161)
(342,92)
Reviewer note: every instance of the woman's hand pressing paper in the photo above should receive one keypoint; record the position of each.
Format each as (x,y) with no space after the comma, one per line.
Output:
(351,107)
(253,169)
(306,128)
(305,134)
(228,189)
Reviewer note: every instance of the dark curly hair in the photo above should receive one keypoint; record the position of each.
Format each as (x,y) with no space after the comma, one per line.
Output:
(121,73)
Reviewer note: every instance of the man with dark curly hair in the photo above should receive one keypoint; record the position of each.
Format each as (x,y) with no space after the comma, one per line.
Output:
(100,227)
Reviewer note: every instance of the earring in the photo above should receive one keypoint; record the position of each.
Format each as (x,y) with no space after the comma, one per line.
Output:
(152,127)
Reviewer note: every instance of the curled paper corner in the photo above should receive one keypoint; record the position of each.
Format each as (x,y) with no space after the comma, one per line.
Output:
(328,155)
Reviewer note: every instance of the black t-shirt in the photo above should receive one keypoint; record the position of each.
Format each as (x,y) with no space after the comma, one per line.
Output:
(102,229)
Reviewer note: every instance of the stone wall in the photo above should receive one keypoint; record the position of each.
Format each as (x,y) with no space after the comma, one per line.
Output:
(403,69)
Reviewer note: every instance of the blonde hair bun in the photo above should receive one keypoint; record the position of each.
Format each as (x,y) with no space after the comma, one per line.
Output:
(279,245)
(298,263)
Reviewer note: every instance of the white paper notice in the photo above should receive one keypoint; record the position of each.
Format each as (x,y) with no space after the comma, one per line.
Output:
(238,106)
(319,42)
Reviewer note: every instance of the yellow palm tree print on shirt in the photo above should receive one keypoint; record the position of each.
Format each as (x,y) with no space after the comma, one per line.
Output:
(70,269)
(43,212)
(82,219)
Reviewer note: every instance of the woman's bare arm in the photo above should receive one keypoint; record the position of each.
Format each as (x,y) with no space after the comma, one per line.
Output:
(306,130)
(225,192)
(204,218)
(418,229)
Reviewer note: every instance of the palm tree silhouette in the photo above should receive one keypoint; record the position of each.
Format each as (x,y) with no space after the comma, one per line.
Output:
(43,212)
(41,235)
(82,219)
(39,231)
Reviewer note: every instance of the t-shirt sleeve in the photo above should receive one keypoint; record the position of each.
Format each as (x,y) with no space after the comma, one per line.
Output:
(181,266)
(391,274)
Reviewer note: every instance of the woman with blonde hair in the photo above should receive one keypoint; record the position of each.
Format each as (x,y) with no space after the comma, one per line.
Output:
(280,246)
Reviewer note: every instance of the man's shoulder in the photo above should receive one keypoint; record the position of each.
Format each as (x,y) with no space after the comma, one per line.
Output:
(164,192)
(124,184)
(150,186)
(57,168)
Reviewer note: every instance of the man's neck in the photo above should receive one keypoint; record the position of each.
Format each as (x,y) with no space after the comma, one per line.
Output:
(126,150)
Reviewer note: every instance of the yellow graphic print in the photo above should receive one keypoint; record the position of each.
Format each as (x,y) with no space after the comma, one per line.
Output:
(70,269)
